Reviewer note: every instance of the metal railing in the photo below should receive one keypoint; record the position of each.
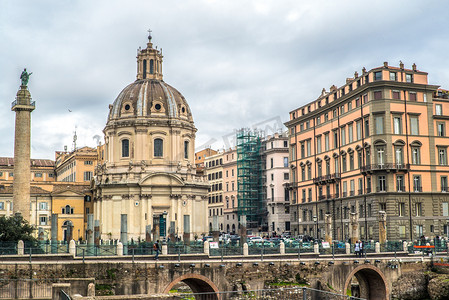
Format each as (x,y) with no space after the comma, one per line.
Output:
(284,293)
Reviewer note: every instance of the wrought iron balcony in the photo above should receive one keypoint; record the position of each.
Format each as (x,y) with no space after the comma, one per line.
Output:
(334,177)
(381,188)
(385,167)
(417,189)
(401,188)
(360,191)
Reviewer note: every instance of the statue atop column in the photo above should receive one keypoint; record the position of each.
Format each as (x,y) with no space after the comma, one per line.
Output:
(25,76)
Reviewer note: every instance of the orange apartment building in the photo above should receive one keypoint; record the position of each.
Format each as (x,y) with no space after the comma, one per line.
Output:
(230,204)
(373,148)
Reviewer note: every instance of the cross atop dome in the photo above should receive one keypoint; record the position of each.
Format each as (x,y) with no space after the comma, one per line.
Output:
(149,61)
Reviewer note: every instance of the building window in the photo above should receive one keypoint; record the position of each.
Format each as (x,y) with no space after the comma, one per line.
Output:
(402,231)
(397,126)
(418,209)
(344,163)
(445,208)
(412,96)
(393,76)
(444,183)
(401,209)
(381,183)
(414,125)
(326,142)
(377,76)
(335,139)
(309,147)
(286,176)
(396,95)
(43,220)
(285,162)
(328,167)
(303,154)
(318,145)
(408,77)
(400,183)
(319,167)
(438,109)
(351,161)
(399,157)
(67,210)
(158,147)
(43,206)
(417,183)
(377,95)
(309,172)
(442,156)
(359,130)
(186,149)
(380,155)
(303,173)
(38,175)
(2,205)
(125,148)
(87,176)
(379,124)
(350,133)
(271,163)
(440,129)
(304,195)
(343,136)
(416,156)
(88,162)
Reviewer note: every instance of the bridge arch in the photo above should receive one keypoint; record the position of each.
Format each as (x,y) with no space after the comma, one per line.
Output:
(198,284)
(372,282)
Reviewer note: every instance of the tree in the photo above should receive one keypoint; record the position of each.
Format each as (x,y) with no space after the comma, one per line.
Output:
(15,228)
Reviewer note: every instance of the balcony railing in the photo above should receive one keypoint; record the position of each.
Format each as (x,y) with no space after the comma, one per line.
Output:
(444,189)
(352,193)
(322,197)
(417,189)
(368,189)
(385,167)
(401,188)
(345,194)
(360,191)
(309,199)
(16,102)
(327,178)
(381,188)
(337,196)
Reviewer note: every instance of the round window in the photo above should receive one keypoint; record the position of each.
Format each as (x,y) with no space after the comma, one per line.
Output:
(157,106)
(127,107)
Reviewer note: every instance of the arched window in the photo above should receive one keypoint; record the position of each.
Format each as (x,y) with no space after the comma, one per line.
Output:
(144,71)
(151,66)
(125,148)
(186,149)
(67,210)
(158,148)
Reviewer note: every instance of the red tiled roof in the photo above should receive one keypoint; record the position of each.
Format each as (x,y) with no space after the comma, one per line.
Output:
(9,161)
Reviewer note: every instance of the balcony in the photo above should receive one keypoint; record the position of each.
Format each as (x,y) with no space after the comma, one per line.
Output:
(345,194)
(330,178)
(321,197)
(337,196)
(309,199)
(360,191)
(401,188)
(385,167)
(351,193)
(417,189)
(368,189)
(444,189)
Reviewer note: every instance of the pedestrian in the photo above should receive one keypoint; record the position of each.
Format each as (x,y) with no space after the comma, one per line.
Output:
(357,248)
(360,248)
(156,248)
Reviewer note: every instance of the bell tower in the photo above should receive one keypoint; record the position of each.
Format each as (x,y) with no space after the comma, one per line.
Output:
(149,62)
(23,106)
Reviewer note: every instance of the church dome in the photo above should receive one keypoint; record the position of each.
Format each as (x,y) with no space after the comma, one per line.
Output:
(150,98)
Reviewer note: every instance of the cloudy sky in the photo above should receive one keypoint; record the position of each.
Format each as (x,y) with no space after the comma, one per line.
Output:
(238,63)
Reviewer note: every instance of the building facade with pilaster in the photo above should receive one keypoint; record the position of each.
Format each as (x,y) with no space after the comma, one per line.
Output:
(369,156)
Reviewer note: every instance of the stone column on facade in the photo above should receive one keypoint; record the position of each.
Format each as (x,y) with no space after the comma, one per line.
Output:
(382,227)
(97,232)
(22,169)
(124,232)
(328,224)
(215,229)
(243,235)
(354,227)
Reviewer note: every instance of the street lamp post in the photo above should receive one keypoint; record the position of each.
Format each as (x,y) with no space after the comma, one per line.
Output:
(315,221)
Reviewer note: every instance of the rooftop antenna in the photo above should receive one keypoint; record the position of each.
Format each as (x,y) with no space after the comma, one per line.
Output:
(74,140)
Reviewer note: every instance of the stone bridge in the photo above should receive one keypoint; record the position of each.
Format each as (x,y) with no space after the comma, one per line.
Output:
(144,276)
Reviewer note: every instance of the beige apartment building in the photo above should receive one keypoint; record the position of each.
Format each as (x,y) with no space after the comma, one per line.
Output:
(277,178)
(214,172)
(76,166)
(371,154)
(200,157)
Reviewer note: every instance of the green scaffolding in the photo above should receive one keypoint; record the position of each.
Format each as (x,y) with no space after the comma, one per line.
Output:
(250,192)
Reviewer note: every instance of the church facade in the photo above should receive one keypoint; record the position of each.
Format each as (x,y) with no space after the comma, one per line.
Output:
(148,178)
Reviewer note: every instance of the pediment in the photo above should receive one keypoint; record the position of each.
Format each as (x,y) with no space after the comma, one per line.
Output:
(161,179)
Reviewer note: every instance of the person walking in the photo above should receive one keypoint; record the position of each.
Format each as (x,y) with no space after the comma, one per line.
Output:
(356,248)
(360,248)
(156,248)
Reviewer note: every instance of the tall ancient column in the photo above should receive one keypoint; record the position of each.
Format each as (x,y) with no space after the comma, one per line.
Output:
(23,106)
